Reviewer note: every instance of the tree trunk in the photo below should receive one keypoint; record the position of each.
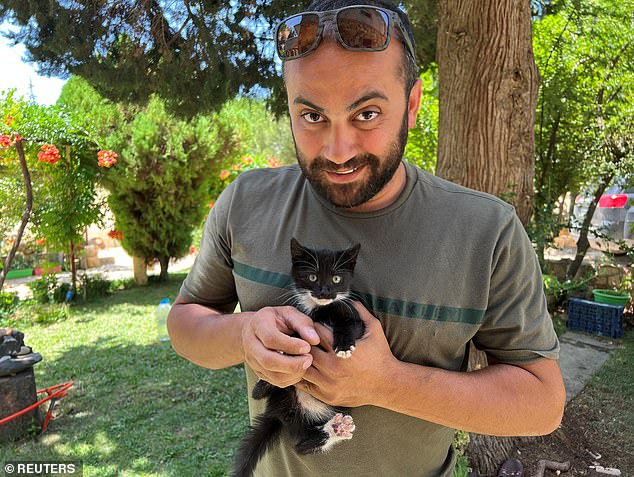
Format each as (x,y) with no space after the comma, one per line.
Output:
(25,216)
(164,261)
(140,270)
(488,84)
(583,243)
(73,268)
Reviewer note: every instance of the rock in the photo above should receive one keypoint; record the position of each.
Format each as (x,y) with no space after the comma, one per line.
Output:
(18,364)
(25,350)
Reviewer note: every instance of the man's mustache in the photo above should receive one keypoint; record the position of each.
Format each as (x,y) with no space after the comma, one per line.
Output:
(326,165)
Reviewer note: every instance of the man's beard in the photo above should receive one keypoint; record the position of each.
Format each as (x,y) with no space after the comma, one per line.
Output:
(381,171)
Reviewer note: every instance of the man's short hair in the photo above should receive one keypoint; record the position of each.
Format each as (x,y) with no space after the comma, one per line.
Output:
(410,70)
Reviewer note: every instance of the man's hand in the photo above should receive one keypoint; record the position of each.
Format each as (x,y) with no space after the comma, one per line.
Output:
(355,381)
(271,351)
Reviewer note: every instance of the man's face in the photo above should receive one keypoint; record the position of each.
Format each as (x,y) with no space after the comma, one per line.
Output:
(350,117)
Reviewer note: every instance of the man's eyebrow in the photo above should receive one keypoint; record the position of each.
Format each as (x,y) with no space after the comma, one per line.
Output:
(367,97)
(304,101)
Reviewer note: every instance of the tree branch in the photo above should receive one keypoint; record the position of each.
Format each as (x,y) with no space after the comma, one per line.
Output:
(25,216)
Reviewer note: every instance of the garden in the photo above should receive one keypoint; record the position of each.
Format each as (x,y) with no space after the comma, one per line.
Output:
(145,167)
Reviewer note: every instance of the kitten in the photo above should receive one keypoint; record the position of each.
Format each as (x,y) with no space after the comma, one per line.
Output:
(322,291)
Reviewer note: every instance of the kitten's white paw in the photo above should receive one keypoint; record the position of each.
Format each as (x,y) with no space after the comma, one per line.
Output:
(346,354)
(340,427)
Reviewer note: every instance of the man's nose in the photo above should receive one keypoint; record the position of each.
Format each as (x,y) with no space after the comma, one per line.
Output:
(340,144)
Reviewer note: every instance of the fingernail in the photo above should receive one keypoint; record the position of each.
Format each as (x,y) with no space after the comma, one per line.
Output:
(306,364)
(312,334)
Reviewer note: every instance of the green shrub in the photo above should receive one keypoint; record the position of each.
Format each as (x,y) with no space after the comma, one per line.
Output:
(8,304)
(93,286)
(43,289)
(41,313)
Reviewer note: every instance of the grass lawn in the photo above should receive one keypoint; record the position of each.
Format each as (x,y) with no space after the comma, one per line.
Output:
(136,407)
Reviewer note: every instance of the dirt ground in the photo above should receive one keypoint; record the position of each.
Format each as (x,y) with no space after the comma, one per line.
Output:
(583,431)
(597,429)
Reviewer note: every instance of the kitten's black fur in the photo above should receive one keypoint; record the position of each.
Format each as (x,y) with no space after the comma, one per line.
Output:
(322,291)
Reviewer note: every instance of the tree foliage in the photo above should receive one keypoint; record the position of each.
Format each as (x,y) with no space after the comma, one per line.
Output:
(57,157)
(585,125)
(422,143)
(195,54)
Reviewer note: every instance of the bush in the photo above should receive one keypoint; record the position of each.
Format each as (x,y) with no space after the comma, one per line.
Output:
(8,304)
(93,286)
(41,313)
(44,288)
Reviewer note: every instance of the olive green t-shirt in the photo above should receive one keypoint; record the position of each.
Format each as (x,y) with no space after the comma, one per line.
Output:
(440,267)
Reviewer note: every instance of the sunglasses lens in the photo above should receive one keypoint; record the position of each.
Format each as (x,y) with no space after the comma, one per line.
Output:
(297,35)
(363,28)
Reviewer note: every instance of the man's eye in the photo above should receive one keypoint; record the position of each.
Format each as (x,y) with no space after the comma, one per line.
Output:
(312,117)
(368,115)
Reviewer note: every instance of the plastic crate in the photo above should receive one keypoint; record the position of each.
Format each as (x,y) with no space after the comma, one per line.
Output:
(595,318)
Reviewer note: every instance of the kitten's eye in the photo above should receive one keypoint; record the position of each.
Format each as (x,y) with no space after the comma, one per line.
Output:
(336,279)
(312,277)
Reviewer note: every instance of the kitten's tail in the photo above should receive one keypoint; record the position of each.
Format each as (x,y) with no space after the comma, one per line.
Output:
(261,436)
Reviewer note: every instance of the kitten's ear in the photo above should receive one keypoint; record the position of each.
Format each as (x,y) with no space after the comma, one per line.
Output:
(297,250)
(352,253)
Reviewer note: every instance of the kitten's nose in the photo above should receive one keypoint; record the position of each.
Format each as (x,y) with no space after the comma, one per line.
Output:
(326,293)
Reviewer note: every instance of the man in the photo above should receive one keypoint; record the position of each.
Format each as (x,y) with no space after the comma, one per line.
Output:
(440,267)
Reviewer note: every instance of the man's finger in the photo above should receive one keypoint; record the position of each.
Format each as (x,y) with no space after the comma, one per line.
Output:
(299,323)
(282,363)
(325,336)
(367,317)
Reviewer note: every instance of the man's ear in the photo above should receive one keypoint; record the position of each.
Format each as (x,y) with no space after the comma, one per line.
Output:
(413,103)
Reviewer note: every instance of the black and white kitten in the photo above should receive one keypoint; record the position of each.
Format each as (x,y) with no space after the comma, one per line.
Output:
(322,291)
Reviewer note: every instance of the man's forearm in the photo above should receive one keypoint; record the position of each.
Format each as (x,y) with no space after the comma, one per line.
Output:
(501,399)
(205,336)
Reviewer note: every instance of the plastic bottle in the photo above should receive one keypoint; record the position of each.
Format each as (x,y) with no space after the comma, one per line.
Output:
(160,314)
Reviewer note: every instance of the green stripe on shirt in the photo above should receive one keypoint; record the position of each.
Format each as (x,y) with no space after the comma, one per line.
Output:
(391,306)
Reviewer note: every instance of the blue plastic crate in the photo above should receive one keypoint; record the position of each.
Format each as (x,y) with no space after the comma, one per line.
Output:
(595,318)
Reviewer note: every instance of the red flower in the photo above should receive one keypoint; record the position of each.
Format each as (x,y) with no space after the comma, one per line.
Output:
(273,162)
(236,167)
(192,250)
(224,174)
(41,241)
(115,234)
(107,158)
(247,160)
(5,141)
(211,204)
(9,120)
(48,153)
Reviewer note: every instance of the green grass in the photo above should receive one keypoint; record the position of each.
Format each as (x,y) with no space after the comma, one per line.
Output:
(136,408)
(610,392)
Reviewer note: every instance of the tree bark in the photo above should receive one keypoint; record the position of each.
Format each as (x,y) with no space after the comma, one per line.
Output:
(25,216)
(140,270)
(488,85)
(164,261)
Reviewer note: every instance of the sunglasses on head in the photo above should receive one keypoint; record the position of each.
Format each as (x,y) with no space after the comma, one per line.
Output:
(357,28)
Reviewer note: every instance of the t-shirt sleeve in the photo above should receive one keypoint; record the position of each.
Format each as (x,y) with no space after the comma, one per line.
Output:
(210,281)
(517,327)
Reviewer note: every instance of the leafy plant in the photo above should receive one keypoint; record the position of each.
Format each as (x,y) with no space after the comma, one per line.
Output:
(584,131)
(93,286)
(8,304)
